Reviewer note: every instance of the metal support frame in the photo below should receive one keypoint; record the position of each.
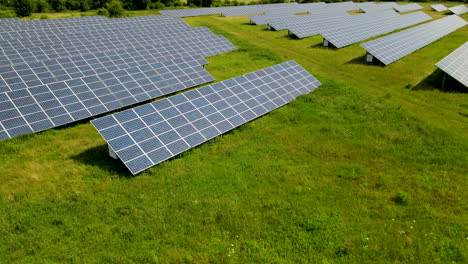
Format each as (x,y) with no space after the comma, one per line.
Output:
(369,58)
(112,153)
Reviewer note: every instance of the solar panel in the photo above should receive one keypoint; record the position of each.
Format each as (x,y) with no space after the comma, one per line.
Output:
(53,23)
(87,46)
(439,7)
(227,11)
(327,24)
(458,10)
(103,29)
(76,24)
(344,36)
(287,22)
(456,64)
(28,75)
(47,106)
(264,19)
(394,47)
(408,7)
(149,134)
(372,7)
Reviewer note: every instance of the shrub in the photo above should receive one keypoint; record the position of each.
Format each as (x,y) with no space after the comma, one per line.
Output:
(7,14)
(402,198)
(41,6)
(58,5)
(157,5)
(44,17)
(23,8)
(84,6)
(115,9)
(102,12)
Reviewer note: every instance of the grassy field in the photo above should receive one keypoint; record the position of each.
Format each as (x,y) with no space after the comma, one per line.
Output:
(369,168)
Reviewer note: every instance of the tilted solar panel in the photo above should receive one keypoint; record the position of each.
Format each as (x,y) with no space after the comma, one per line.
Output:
(87,46)
(53,23)
(458,10)
(83,38)
(408,7)
(47,106)
(344,36)
(28,75)
(149,134)
(264,19)
(287,22)
(439,7)
(456,64)
(394,47)
(319,26)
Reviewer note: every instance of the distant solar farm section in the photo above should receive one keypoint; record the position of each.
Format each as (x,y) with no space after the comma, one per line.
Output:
(456,64)
(149,134)
(54,72)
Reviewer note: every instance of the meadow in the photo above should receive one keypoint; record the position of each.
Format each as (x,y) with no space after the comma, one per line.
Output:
(369,168)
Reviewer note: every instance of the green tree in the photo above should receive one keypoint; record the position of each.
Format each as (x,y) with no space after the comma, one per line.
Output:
(115,9)
(23,8)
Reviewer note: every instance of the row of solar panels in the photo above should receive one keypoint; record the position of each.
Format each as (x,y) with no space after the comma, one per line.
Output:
(457,10)
(50,77)
(260,9)
(149,134)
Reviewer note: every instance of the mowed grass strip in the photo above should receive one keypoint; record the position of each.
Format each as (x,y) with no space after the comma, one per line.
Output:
(362,170)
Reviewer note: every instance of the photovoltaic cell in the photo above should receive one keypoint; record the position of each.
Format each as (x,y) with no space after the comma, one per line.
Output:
(458,10)
(32,74)
(347,35)
(456,64)
(408,7)
(47,106)
(332,23)
(394,47)
(149,134)
(439,7)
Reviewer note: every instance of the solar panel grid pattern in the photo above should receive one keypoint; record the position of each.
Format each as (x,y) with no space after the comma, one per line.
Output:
(86,46)
(344,36)
(45,23)
(376,8)
(408,7)
(459,10)
(231,10)
(162,34)
(439,7)
(33,74)
(264,19)
(103,29)
(328,24)
(456,64)
(149,134)
(287,22)
(394,47)
(46,106)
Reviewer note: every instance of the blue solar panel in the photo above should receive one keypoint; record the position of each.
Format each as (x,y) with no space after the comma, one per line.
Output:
(149,134)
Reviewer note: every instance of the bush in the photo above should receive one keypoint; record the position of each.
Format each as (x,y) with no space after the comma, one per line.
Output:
(157,5)
(44,17)
(84,6)
(23,8)
(402,198)
(115,9)
(58,5)
(41,6)
(102,12)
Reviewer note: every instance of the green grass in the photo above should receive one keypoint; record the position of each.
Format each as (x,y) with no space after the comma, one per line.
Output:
(362,170)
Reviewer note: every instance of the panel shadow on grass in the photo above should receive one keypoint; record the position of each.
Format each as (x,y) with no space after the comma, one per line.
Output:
(99,157)
(435,81)
(362,60)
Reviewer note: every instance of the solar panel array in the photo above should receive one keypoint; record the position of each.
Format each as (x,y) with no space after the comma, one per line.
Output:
(459,10)
(370,7)
(456,64)
(347,35)
(394,47)
(439,7)
(408,7)
(286,22)
(324,24)
(70,69)
(152,133)
(261,9)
